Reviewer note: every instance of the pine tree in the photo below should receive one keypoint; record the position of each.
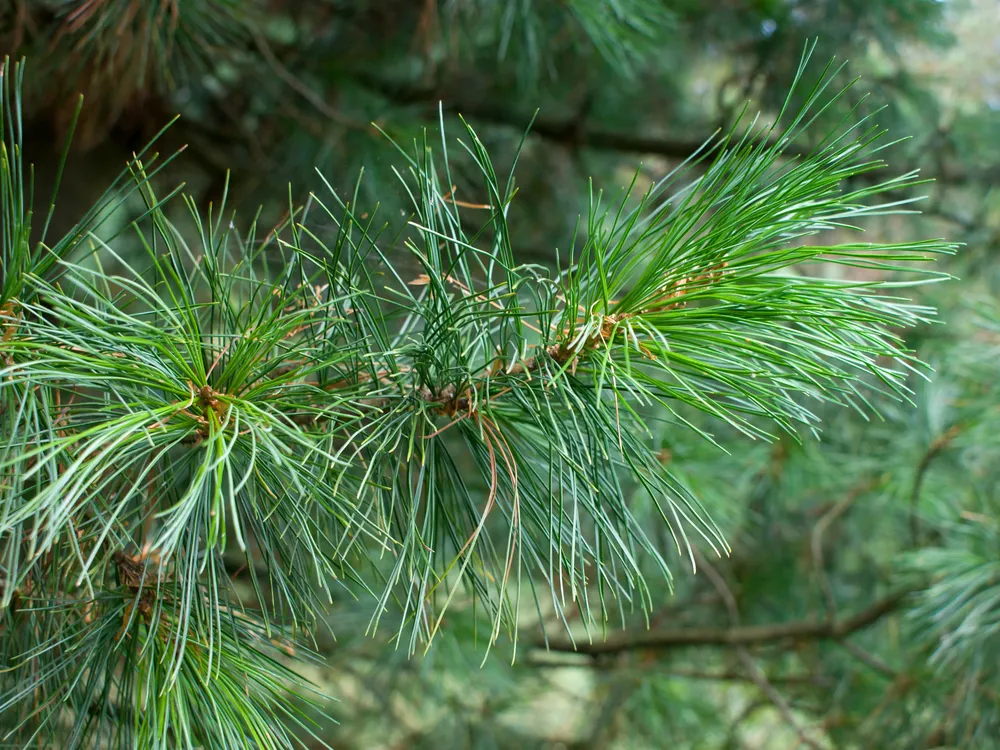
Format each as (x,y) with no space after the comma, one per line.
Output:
(381,408)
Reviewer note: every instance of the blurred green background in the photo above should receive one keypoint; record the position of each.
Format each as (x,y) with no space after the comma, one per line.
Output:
(861,605)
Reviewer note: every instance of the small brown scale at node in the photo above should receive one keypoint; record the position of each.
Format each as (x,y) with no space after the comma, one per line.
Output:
(135,573)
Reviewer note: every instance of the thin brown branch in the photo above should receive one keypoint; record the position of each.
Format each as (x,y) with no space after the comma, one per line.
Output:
(754,672)
(870,659)
(300,87)
(747,635)
(933,451)
(573,132)
(569,132)
(816,545)
(730,675)
(758,677)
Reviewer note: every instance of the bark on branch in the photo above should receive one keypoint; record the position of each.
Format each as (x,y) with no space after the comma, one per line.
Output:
(570,132)
(575,132)
(748,635)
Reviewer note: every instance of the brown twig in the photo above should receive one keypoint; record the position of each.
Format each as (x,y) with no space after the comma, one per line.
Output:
(754,672)
(933,451)
(747,635)
(819,531)
(300,87)
(869,659)
(573,133)
(729,675)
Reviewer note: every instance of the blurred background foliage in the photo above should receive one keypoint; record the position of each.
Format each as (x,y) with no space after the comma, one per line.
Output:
(860,607)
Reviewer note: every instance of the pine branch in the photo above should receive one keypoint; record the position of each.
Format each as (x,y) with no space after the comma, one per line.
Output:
(747,635)
(816,542)
(573,133)
(755,673)
(540,661)
(470,436)
(576,132)
(937,446)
